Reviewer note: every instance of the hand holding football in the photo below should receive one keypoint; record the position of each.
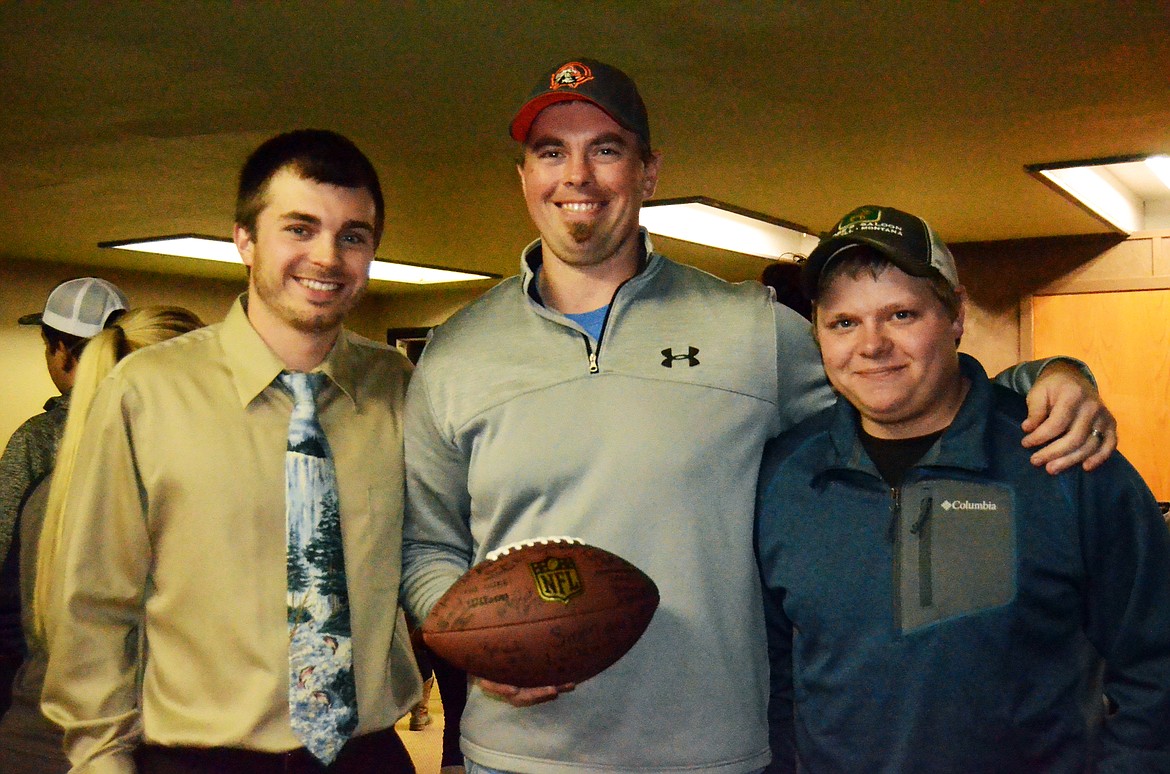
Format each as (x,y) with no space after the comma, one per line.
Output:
(544,612)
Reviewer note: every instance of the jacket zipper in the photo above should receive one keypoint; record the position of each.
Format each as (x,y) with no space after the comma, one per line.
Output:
(893,534)
(594,354)
(922,528)
(895,512)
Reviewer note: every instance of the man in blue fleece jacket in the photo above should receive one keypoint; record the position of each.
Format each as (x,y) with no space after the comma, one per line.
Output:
(934,602)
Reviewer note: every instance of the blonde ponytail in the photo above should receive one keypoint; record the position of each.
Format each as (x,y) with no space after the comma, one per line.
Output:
(135,329)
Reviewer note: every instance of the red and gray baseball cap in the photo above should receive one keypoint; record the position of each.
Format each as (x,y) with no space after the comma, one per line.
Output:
(906,240)
(80,307)
(586,79)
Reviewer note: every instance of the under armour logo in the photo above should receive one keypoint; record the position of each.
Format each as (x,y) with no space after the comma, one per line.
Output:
(668,357)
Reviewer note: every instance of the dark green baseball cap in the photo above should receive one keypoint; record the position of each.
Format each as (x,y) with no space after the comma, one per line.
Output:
(906,240)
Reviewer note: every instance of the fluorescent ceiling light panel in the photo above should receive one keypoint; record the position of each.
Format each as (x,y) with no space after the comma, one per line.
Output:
(716,224)
(224,250)
(1101,193)
(1160,166)
(184,246)
(1130,193)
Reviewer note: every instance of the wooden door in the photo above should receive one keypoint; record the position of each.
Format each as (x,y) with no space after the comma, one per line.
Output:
(1124,336)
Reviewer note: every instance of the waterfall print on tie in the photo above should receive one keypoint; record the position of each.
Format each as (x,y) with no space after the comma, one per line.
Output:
(322,698)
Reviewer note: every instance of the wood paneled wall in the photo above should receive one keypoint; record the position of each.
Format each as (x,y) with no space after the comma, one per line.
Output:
(1103,299)
(1125,337)
(1114,313)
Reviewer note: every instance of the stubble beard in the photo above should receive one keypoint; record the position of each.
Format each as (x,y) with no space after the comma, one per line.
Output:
(328,319)
(311,322)
(320,323)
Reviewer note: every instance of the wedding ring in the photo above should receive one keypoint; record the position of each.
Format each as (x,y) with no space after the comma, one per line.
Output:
(1097,434)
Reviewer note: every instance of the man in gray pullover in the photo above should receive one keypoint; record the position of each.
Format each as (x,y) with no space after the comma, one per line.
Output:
(613,395)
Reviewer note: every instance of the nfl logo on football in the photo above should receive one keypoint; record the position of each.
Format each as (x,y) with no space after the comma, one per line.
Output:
(557,580)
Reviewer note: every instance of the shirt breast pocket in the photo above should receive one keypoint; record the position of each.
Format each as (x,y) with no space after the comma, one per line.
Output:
(957,553)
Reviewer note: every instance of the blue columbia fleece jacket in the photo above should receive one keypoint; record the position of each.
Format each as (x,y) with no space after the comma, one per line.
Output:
(970,620)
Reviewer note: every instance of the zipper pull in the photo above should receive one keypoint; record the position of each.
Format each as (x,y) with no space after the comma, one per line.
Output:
(923,517)
(593,363)
(895,508)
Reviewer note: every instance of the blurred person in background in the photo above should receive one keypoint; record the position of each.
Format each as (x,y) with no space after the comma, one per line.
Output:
(29,743)
(784,279)
(75,311)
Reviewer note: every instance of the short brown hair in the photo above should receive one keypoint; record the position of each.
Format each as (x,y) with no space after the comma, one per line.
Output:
(863,258)
(315,154)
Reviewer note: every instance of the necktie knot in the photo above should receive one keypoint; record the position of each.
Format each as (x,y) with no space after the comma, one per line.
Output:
(305,434)
(304,387)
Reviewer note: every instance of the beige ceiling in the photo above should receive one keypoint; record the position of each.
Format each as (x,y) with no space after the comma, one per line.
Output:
(131,119)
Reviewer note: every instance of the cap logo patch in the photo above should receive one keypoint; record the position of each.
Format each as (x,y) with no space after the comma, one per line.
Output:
(572,74)
(866,219)
(860,215)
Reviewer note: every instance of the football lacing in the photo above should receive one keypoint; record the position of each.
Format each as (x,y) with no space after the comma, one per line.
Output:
(544,541)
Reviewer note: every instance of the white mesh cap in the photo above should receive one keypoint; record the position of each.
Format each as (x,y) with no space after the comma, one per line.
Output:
(80,307)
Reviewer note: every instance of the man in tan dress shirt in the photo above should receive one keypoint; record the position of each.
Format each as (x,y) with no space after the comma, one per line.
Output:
(175,522)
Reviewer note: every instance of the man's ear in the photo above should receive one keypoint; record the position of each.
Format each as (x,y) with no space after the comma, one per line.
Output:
(650,179)
(245,244)
(520,172)
(961,317)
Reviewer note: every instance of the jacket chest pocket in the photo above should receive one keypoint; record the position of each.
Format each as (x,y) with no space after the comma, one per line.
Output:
(956,552)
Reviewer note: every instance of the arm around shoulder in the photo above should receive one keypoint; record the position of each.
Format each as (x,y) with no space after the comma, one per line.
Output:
(1066,416)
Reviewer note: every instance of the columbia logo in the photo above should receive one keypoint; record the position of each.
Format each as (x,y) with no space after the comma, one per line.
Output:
(968,505)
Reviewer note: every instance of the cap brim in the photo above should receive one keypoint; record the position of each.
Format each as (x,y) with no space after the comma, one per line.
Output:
(523,120)
(826,251)
(30,319)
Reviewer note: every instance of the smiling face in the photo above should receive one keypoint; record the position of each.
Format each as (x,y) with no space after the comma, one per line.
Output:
(889,348)
(309,259)
(584,181)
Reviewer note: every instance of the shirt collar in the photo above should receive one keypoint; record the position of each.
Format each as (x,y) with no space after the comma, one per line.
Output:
(532,258)
(254,366)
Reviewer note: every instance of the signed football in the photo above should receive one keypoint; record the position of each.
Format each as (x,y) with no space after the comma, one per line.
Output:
(547,611)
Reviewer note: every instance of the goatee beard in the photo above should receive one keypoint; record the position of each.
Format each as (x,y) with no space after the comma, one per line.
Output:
(580,232)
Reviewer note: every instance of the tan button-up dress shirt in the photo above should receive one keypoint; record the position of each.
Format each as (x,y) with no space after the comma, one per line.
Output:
(175,526)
